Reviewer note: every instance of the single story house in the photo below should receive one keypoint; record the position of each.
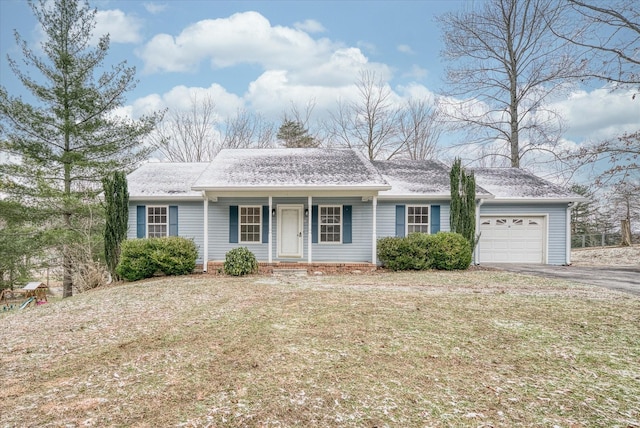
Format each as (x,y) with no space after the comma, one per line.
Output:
(314,207)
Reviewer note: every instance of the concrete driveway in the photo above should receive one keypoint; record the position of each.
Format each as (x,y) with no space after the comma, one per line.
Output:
(619,278)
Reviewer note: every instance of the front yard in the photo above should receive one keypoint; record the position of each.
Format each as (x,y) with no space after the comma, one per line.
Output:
(476,348)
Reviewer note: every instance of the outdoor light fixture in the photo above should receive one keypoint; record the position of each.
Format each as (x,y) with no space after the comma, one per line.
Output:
(273,212)
(306,212)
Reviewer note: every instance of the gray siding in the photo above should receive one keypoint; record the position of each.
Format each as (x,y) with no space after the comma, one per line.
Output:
(358,251)
(386,218)
(190,221)
(556,224)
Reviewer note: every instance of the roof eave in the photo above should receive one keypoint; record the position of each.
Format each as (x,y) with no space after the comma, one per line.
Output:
(252,189)
(149,198)
(499,200)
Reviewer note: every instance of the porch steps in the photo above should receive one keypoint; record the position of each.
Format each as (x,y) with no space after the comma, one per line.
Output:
(290,272)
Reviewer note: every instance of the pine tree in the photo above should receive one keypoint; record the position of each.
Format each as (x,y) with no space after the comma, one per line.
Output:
(116,198)
(294,135)
(462,216)
(69,139)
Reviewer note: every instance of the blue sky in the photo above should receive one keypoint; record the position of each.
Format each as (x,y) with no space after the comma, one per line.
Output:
(266,55)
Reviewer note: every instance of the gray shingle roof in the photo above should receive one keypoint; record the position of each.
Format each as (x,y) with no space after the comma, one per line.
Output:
(412,178)
(517,184)
(164,180)
(286,168)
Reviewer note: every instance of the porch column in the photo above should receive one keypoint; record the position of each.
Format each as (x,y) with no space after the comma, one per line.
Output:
(205,245)
(269,241)
(374,235)
(309,231)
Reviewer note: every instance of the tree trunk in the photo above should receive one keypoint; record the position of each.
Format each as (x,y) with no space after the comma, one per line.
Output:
(625,231)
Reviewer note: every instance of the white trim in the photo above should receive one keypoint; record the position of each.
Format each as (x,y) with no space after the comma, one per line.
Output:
(167,198)
(320,242)
(300,209)
(302,188)
(374,237)
(269,240)
(240,241)
(205,245)
(533,201)
(292,193)
(570,207)
(406,218)
(309,229)
(146,227)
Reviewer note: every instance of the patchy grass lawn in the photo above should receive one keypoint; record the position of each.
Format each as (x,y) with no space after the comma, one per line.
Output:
(477,348)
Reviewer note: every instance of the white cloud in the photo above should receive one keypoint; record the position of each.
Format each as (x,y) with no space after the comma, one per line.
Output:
(600,114)
(406,49)
(310,26)
(155,8)
(416,72)
(242,38)
(180,97)
(121,28)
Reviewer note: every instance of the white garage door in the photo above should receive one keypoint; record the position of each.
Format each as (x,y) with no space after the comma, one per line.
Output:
(515,239)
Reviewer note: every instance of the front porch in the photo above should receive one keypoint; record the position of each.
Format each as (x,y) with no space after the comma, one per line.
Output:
(265,268)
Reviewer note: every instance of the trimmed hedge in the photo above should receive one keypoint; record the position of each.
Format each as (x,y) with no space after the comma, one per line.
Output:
(142,258)
(419,251)
(240,261)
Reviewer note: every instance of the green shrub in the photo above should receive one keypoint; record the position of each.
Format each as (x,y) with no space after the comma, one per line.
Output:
(450,251)
(419,251)
(142,258)
(135,260)
(240,261)
(174,255)
(408,253)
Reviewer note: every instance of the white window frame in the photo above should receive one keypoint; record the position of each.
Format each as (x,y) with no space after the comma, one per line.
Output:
(149,224)
(240,224)
(320,224)
(428,224)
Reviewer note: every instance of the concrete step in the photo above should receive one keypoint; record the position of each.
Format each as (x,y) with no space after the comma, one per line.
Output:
(290,272)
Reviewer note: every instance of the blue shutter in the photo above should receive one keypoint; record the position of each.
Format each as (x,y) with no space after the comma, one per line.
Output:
(265,224)
(314,224)
(435,218)
(141,223)
(233,224)
(400,220)
(346,224)
(173,220)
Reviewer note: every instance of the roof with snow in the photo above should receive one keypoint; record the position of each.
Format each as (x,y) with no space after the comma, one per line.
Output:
(518,184)
(165,180)
(418,178)
(255,169)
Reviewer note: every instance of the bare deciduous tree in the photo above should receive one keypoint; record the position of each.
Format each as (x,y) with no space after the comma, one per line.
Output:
(505,65)
(610,33)
(421,126)
(246,130)
(369,123)
(189,135)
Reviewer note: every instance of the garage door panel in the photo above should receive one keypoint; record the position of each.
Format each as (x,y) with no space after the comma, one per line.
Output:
(511,239)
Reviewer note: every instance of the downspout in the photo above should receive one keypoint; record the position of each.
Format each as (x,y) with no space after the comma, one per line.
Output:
(205,255)
(570,206)
(269,240)
(374,237)
(309,231)
(476,249)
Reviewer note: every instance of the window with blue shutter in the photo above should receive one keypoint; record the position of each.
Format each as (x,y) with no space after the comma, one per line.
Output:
(265,224)
(233,224)
(141,221)
(400,220)
(346,224)
(435,219)
(314,224)
(173,220)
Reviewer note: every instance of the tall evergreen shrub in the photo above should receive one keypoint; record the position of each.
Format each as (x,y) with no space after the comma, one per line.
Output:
(462,217)
(116,198)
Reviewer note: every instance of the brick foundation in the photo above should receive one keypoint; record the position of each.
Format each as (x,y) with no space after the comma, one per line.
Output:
(216,268)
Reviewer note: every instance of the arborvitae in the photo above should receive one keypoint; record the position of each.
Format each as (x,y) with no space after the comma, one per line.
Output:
(116,197)
(462,216)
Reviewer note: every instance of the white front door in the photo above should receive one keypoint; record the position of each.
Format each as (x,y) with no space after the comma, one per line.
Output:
(290,239)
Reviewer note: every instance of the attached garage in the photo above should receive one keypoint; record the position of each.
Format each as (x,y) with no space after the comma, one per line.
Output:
(512,239)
